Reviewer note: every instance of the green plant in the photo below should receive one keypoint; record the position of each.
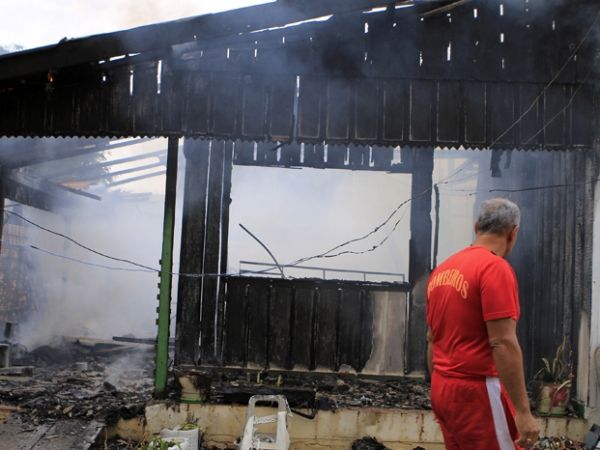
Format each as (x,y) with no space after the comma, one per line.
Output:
(559,370)
(555,379)
(161,444)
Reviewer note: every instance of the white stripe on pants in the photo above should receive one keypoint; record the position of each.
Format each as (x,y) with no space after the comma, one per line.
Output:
(501,426)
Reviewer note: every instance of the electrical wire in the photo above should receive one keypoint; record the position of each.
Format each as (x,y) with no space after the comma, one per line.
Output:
(148,269)
(550,83)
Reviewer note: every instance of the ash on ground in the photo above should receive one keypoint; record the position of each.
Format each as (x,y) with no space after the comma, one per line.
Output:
(328,392)
(79,381)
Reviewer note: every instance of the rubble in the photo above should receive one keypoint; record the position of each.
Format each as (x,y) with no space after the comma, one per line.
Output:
(558,443)
(70,384)
(328,392)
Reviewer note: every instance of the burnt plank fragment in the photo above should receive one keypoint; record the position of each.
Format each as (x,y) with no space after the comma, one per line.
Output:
(197,103)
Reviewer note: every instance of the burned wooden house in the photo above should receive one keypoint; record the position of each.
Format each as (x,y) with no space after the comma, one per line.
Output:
(341,84)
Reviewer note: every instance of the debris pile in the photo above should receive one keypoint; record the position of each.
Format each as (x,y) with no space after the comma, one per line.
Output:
(558,443)
(328,392)
(75,381)
(370,443)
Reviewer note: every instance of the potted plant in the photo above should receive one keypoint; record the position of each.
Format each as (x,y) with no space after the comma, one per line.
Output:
(555,381)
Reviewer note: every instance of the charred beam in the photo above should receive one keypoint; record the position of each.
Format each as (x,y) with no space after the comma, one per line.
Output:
(164,35)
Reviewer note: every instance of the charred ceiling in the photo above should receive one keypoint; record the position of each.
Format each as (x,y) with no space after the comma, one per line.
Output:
(446,74)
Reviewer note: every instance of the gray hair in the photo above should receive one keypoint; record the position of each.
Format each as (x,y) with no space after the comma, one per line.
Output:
(497,216)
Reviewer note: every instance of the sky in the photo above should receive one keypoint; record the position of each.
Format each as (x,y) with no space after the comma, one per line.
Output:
(35,23)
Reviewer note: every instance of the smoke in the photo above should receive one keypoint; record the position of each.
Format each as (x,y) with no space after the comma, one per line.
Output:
(76,297)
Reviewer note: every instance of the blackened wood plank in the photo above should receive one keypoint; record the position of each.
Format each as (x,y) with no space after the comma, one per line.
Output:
(302,328)
(258,323)
(530,107)
(339,108)
(555,116)
(475,100)
(502,96)
(280,314)
(281,107)
(326,342)
(394,98)
(421,111)
(336,155)
(419,255)
(171,107)
(310,108)
(244,153)
(119,98)
(367,113)
(367,328)
(382,157)
(144,98)
(448,111)
(198,102)
(350,329)
(187,331)
(254,106)
(210,290)
(225,95)
(290,155)
(236,322)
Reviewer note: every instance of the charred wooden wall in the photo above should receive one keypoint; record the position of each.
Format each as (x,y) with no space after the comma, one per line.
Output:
(388,78)
(311,324)
(553,255)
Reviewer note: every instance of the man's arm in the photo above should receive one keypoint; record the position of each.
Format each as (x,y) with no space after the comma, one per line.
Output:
(507,354)
(429,351)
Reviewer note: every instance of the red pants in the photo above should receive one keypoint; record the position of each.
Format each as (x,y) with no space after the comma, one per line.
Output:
(474,414)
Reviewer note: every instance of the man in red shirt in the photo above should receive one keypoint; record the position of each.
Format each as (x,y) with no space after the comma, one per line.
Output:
(478,389)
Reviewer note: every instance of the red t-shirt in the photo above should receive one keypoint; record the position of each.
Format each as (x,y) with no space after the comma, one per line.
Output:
(469,288)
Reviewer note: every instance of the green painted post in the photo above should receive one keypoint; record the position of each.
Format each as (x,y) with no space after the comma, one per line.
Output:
(166,266)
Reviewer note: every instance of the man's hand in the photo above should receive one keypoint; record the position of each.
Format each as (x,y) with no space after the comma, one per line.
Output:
(528,427)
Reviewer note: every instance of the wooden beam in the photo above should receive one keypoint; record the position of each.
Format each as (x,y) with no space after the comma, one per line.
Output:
(419,256)
(187,330)
(162,36)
